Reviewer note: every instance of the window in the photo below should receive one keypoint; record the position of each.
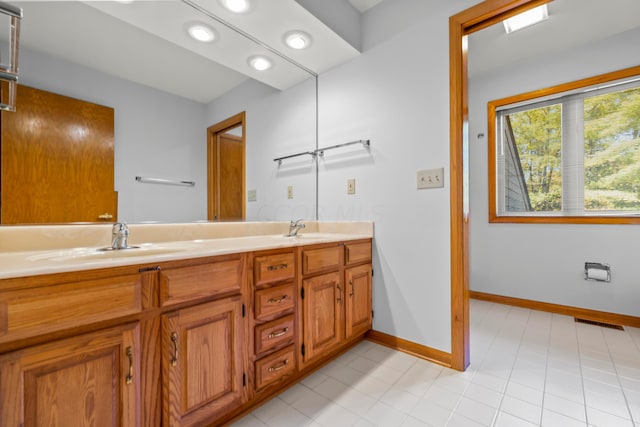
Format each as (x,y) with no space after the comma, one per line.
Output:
(569,153)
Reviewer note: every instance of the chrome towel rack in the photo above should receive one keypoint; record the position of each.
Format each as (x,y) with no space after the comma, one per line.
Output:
(280,159)
(165,181)
(366,143)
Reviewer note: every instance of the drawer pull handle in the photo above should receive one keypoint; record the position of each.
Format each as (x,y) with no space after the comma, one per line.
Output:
(277,267)
(351,283)
(277,300)
(278,334)
(280,366)
(174,358)
(129,378)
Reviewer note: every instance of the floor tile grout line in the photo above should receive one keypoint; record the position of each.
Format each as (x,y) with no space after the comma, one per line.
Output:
(584,393)
(515,360)
(615,368)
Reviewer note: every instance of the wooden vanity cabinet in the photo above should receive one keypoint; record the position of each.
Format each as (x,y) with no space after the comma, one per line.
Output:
(203,348)
(274,327)
(181,343)
(86,380)
(336,297)
(203,362)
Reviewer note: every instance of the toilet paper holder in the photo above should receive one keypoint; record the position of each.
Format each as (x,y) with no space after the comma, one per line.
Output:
(597,271)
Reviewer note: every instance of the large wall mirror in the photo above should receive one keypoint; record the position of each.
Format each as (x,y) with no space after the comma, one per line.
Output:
(167,89)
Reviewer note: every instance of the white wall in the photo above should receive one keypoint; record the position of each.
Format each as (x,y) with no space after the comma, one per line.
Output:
(156,134)
(397,95)
(545,262)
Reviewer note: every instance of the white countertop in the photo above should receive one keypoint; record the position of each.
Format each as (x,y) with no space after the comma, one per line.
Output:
(38,262)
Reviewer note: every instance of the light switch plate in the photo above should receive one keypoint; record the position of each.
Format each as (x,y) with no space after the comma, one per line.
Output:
(351,186)
(252,195)
(290,192)
(430,178)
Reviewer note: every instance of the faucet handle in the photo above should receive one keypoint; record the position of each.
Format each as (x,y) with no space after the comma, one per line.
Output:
(297,222)
(120,227)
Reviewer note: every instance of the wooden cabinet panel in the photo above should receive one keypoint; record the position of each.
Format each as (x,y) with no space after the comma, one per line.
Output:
(87,380)
(275,334)
(317,260)
(29,312)
(203,362)
(358,302)
(322,306)
(184,284)
(274,301)
(357,252)
(275,367)
(273,268)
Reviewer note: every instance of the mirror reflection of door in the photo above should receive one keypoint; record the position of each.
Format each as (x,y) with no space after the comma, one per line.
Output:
(57,160)
(226,170)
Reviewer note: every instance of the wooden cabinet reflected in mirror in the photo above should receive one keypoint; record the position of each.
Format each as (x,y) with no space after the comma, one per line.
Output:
(68,145)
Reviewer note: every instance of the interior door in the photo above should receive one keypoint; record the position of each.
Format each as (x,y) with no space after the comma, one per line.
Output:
(230,177)
(57,160)
(226,170)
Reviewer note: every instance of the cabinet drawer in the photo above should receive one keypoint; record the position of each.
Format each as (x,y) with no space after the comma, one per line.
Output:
(273,268)
(197,281)
(30,312)
(316,260)
(275,367)
(274,301)
(357,252)
(274,334)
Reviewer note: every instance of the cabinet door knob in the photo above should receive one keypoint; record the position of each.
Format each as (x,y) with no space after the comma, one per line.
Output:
(129,378)
(174,358)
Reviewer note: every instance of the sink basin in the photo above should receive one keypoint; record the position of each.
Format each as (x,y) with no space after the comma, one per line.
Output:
(80,254)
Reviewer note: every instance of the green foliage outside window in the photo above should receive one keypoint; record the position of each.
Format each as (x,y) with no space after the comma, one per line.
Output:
(538,137)
(612,151)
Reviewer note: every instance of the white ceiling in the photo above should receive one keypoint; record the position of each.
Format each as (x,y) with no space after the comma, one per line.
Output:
(571,23)
(364,5)
(146,42)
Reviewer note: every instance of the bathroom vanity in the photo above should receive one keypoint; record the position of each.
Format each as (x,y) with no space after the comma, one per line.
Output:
(193,336)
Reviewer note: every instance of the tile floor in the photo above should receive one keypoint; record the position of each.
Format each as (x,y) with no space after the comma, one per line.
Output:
(528,368)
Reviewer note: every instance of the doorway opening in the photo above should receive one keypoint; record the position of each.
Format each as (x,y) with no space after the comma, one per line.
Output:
(226,170)
(468,21)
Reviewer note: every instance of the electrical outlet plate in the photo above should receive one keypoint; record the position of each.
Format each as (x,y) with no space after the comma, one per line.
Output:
(290,192)
(430,178)
(252,195)
(351,186)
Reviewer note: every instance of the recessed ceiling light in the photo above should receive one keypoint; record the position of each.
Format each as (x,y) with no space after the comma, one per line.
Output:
(236,6)
(201,32)
(260,63)
(526,19)
(297,39)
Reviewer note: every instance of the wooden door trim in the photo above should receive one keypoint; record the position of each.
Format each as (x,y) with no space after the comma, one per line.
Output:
(212,161)
(461,25)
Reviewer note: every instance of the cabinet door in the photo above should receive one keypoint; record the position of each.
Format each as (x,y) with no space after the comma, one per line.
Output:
(87,380)
(203,353)
(358,300)
(322,307)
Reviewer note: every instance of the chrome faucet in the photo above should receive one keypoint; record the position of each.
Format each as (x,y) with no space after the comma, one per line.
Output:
(119,236)
(294,227)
